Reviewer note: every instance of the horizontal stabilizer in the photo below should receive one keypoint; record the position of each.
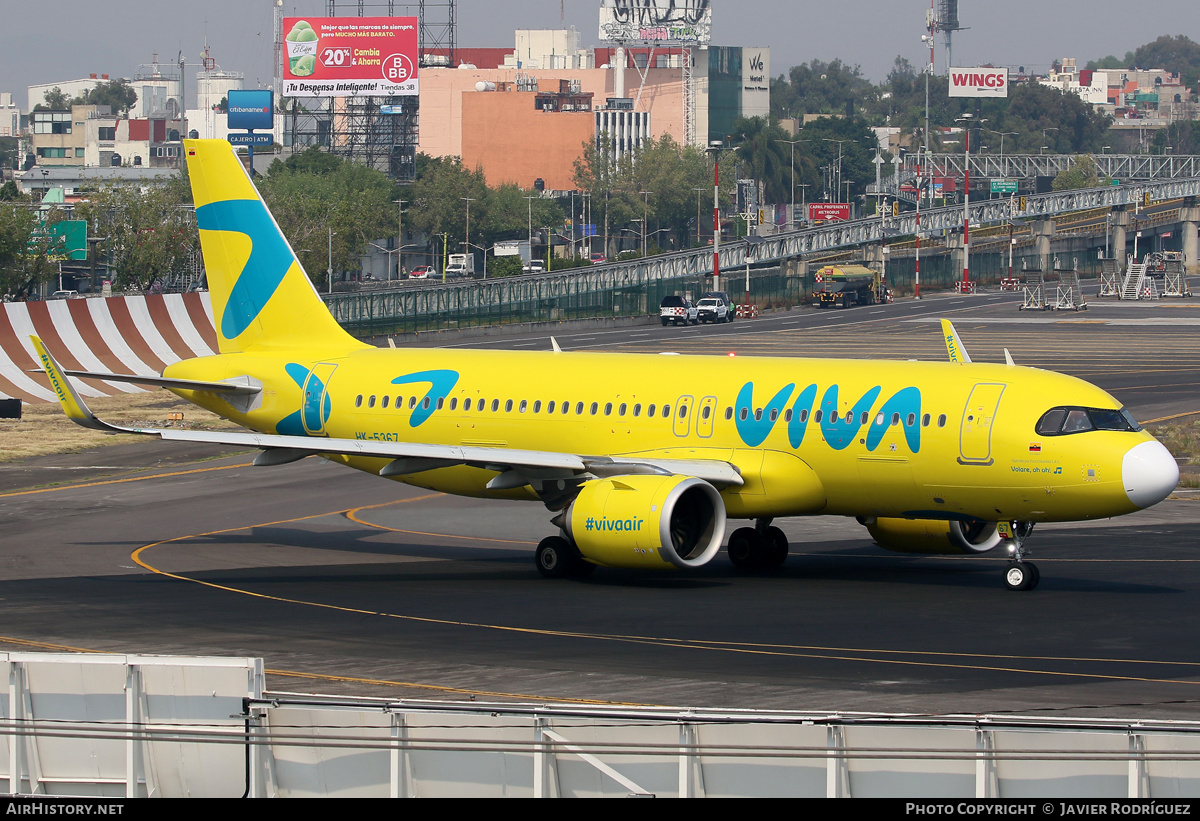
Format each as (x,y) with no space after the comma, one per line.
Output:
(242,386)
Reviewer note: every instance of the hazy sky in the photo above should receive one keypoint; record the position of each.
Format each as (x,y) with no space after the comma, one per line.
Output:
(49,40)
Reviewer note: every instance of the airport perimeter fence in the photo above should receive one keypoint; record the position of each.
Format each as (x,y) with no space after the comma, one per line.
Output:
(627,292)
(577,295)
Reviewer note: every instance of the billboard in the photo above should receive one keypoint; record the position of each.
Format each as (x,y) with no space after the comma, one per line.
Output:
(828,211)
(656,21)
(251,109)
(979,82)
(349,56)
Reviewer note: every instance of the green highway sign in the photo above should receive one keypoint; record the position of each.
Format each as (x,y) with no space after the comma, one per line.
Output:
(1004,186)
(1114,182)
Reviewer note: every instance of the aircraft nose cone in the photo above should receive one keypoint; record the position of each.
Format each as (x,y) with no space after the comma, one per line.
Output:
(1149,473)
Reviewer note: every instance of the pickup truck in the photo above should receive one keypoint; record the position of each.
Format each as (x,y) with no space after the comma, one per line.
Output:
(678,310)
(714,307)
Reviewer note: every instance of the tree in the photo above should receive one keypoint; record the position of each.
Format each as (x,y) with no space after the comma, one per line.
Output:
(313,193)
(1178,54)
(118,95)
(151,234)
(820,88)
(56,100)
(668,171)
(27,248)
(1081,173)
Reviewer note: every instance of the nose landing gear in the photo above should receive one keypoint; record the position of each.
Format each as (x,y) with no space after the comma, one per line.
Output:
(1020,574)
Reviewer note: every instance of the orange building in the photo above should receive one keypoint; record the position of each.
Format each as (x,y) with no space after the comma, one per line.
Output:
(520,136)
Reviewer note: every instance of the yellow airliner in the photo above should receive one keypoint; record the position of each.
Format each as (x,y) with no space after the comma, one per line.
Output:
(641,458)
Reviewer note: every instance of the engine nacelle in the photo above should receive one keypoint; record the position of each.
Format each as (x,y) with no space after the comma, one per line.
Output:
(935,535)
(647,521)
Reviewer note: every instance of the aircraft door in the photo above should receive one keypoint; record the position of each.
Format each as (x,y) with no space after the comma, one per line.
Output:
(316,407)
(979,416)
(681,415)
(706,414)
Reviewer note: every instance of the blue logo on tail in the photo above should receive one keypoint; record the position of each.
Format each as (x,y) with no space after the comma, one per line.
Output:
(269,259)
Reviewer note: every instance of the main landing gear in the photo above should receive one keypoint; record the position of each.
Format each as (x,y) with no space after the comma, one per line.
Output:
(1020,574)
(557,558)
(761,547)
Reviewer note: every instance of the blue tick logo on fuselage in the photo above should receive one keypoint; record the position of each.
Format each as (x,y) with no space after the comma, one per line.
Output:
(441,382)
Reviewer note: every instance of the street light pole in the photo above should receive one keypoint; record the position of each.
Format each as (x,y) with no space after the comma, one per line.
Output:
(530,199)
(329,271)
(645,218)
(399,235)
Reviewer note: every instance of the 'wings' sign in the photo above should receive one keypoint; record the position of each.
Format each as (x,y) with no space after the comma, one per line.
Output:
(979,82)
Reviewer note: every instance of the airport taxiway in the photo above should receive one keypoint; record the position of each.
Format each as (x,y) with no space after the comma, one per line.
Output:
(346,583)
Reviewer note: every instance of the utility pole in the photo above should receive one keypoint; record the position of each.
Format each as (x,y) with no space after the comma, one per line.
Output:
(715,148)
(399,236)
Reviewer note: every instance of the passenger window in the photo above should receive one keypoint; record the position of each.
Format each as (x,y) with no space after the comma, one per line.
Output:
(862,420)
(358,401)
(942,421)
(925,421)
(579,409)
(384,402)
(833,416)
(508,406)
(707,410)
(371,402)
(650,411)
(683,411)
(804,415)
(757,414)
(787,415)
(895,419)
(425,403)
(399,402)
(817,417)
(537,406)
(454,404)
(637,409)
(608,409)
(621,410)
(495,405)
(566,407)
(729,413)
(879,418)
(595,407)
(666,411)
(466,404)
(412,402)
(524,404)
(912,420)
(441,402)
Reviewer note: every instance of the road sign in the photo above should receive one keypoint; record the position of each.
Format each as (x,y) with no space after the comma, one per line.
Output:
(250,139)
(1004,186)
(828,211)
(1114,182)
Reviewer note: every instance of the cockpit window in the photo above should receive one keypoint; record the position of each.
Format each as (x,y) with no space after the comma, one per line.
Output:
(1063,421)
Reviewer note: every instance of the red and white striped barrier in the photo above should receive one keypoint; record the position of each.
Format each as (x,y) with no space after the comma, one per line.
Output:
(746,311)
(121,334)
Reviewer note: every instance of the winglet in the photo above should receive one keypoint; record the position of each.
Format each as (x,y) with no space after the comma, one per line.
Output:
(954,346)
(554,343)
(72,403)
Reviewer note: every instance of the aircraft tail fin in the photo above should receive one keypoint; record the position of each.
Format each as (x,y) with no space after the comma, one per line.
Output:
(954,346)
(261,296)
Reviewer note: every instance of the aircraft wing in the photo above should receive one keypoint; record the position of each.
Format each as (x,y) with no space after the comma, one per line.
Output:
(517,467)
